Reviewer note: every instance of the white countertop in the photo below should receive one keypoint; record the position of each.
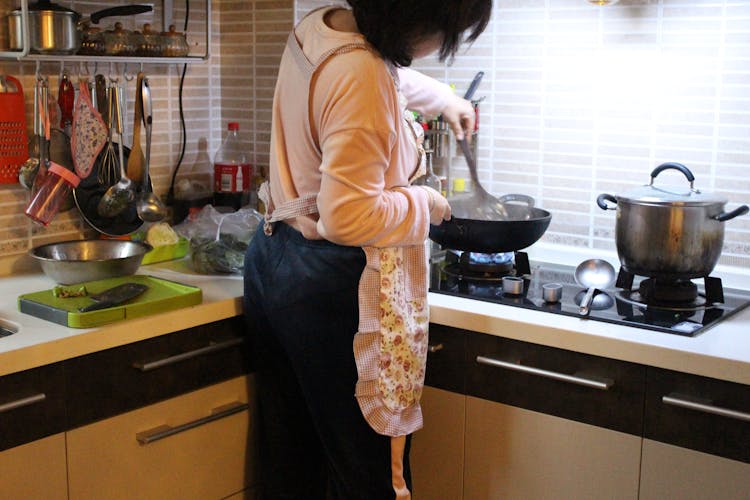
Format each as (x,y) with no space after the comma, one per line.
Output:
(721,352)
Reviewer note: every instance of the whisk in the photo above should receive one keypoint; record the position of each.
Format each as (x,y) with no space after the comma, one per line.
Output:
(109,166)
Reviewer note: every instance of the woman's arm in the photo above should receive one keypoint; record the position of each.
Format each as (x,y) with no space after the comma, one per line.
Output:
(431,98)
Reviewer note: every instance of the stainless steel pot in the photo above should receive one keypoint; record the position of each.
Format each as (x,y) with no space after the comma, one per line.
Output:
(54,29)
(669,232)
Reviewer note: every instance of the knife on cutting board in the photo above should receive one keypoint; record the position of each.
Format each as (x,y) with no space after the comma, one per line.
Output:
(114,296)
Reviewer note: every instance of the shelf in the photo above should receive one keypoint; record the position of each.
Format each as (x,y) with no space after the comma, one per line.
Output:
(113,59)
(24,55)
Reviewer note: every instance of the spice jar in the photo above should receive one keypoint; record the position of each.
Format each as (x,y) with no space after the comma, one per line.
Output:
(118,42)
(175,43)
(92,41)
(54,189)
(148,43)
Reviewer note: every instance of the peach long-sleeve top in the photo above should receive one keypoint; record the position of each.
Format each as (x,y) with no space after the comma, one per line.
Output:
(356,152)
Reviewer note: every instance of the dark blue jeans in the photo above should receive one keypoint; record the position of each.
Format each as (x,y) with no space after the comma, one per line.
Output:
(301,306)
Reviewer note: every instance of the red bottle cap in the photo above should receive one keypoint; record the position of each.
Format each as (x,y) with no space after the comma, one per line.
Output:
(233,126)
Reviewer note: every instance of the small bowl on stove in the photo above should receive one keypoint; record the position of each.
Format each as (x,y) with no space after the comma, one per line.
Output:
(513,285)
(552,292)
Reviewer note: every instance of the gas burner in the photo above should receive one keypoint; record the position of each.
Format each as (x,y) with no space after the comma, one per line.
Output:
(636,298)
(484,267)
(455,270)
(660,292)
(499,264)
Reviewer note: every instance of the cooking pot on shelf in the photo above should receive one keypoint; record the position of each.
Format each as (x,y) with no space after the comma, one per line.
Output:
(524,225)
(669,232)
(54,29)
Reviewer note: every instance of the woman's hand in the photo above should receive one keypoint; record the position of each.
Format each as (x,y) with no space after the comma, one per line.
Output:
(459,113)
(440,210)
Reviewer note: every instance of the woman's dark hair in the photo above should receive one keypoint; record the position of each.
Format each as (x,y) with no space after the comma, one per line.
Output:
(394,26)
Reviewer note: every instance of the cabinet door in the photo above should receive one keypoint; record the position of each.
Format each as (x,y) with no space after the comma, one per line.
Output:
(544,422)
(34,470)
(437,450)
(199,445)
(512,453)
(669,471)
(697,433)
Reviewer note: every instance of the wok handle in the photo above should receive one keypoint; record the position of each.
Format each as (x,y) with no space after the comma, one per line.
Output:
(602,200)
(725,216)
(673,166)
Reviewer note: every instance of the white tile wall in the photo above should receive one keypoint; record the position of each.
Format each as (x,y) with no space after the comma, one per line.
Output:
(580,100)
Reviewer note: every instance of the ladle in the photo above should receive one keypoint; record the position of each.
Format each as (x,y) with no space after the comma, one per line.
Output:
(593,274)
(150,208)
(120,195)
(480,205)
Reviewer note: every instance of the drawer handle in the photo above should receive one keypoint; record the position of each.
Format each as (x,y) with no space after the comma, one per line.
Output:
(164,431)
(153,365)
(587,382)
(19,403)
(435,348)
(681,401)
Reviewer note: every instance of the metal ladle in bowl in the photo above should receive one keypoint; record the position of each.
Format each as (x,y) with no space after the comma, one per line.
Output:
(593,274)
(150,208)
(117,198)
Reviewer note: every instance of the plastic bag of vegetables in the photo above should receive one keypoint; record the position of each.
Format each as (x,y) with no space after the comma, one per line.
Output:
(218,240)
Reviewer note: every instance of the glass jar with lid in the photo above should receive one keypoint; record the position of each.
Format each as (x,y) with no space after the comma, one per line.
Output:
(175,43)
(118,42)
(148,42)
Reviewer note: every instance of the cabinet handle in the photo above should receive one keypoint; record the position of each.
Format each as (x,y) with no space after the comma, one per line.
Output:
(18,403)
(681,401)
(213,347)
(587,382)
(435,348)
(164,431)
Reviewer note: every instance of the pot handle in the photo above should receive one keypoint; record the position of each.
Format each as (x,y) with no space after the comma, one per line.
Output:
(673,166)
(725,216)
(602,200)
(523,198)
(124,10)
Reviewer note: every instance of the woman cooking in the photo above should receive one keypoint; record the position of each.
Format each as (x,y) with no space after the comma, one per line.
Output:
(335,281)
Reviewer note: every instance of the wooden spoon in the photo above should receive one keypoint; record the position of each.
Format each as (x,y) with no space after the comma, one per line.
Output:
(136,160)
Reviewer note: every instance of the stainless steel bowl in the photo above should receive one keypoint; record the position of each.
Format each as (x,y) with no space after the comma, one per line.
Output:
(77,261)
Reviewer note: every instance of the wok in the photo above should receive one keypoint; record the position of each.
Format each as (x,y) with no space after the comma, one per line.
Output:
(524,226)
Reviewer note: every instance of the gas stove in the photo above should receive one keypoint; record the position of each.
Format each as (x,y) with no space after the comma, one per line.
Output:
(682,308)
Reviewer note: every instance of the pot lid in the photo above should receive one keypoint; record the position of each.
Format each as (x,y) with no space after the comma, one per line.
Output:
(684,195)
(671,195)
(46,5)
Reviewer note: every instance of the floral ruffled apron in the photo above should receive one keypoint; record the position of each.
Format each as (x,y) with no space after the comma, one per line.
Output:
(390,347)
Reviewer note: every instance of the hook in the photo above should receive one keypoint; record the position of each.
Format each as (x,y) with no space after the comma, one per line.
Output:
(96,66)
(38,70)
(128,76)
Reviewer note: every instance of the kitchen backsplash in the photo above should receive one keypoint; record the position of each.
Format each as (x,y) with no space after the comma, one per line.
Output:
(580,100)
(577,100)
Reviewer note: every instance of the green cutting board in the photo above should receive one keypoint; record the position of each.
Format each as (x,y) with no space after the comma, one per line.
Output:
(162,295)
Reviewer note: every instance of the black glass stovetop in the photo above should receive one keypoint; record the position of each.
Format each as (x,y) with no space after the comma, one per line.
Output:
(613,305)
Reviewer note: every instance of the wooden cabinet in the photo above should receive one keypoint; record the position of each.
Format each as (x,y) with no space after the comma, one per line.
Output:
(168,417)
(697,437)
(548,423)
(437,450)
(539,422)
(198,445)
(34,470)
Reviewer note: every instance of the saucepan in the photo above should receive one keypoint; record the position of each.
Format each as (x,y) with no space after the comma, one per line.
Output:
(522,227)
(54,29)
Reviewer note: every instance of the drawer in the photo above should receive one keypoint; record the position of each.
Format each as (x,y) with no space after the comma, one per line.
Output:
(700,413)
(121,379)
(199,445)
(589,389)
(32,405)
(446,366)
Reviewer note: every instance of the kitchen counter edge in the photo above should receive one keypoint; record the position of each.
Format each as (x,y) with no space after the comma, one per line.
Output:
(722,352)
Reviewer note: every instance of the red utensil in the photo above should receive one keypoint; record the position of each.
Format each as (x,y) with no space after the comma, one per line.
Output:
(66,99)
